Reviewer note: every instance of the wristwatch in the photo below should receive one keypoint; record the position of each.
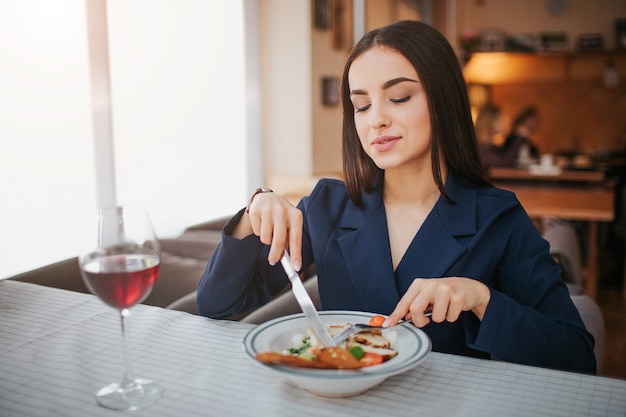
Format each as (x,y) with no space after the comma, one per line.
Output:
(258,191)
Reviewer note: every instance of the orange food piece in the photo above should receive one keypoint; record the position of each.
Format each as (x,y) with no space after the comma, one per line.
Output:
(339,358)
(274,358)
(377,321)
(329,358)
(371,359)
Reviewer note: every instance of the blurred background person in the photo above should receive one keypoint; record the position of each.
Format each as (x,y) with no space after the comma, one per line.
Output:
(490,126)
(518,142)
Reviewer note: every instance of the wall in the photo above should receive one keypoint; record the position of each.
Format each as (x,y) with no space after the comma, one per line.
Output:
(578,116)
(286,92)
(532,16)
(327,62)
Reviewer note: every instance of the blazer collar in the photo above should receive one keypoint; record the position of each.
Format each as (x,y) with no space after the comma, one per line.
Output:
(364,242)
(457,216)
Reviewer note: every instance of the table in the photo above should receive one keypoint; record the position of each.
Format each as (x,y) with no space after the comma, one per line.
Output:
(57,348)
(499,174)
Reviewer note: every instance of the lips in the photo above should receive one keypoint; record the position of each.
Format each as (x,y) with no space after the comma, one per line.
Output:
(384,143)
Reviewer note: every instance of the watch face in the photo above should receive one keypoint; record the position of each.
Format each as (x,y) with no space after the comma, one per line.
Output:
(557,7)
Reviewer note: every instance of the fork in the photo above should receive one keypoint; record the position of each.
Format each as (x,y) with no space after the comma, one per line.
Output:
(359,327)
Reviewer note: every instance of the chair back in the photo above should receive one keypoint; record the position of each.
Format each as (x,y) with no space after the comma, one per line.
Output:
(565,248)
(594,322)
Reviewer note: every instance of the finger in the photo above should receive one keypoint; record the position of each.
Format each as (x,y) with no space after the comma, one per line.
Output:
(396,315)
(400,312)
(454,309)
(440,306)
(279,239)
(255,223)
(266,227)
(255,216)
(403,306)
(295,239)
(453,313)
(423,303)
(418,314)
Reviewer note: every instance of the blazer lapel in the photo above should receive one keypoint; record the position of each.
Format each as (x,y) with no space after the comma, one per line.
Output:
(431,253)
(364,243)
(436,246)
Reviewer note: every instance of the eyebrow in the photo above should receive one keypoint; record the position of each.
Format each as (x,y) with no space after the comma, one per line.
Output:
(386,85)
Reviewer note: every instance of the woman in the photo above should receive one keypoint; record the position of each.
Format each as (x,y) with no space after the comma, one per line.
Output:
(518,146)
(415,227)
(489,127)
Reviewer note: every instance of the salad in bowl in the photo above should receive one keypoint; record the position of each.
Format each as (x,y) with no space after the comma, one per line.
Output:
(289,348)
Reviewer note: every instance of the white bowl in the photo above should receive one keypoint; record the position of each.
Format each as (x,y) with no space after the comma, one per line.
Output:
(412,346)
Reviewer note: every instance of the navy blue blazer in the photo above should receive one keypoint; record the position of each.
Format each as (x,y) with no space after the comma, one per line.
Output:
(484,234)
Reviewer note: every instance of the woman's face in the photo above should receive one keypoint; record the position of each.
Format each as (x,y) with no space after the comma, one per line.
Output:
(390,109)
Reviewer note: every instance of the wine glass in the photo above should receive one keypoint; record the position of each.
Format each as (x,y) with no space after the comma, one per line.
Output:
(120,265)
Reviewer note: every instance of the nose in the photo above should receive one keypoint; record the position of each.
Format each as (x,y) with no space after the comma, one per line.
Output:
(378,117)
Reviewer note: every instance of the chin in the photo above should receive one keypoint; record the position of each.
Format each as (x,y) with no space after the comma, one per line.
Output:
(386,163)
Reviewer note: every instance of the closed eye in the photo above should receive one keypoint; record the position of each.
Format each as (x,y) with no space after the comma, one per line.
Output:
(362,108)
(400,100)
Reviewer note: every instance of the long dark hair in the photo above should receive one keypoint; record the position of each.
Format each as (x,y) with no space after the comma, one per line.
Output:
(452,128)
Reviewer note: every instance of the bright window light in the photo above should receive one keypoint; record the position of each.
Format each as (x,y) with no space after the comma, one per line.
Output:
(177,81)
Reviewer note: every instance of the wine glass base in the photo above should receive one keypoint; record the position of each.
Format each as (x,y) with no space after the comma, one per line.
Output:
(139,393)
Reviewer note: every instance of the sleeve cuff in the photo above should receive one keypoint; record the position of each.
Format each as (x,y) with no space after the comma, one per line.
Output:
(479,333)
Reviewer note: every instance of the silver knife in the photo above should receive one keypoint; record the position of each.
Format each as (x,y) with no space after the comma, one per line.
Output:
(305,302)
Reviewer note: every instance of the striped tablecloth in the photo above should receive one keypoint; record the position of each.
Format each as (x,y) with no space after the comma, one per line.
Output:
(57,348)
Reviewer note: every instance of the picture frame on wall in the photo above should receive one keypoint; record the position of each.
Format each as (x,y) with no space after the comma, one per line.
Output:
(341,24)
(322,14)
(330,91)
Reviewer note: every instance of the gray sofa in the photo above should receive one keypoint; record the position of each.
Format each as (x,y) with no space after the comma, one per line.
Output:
(183,260)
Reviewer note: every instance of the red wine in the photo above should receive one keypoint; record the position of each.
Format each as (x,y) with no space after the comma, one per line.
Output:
(122,281)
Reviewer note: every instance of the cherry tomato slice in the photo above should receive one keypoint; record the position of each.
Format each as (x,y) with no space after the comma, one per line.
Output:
(377,321)
(371,359)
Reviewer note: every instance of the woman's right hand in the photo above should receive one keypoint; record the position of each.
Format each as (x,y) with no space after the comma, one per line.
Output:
(277,223)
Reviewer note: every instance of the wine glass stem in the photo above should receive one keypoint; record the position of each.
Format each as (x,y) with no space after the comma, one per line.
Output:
(128,373)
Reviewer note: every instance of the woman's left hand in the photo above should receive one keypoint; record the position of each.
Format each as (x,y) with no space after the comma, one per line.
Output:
(445,297)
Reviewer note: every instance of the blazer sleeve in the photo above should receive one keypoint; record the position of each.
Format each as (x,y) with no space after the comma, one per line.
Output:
(531,318)
(238,277)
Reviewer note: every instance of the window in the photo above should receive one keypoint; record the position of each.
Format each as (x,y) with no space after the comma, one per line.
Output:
(179,119)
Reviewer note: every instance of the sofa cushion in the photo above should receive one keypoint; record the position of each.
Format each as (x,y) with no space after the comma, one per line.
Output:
(63,274)
(283,304)
(178,276)
(215,224)
(186,303)
(183,260)
(194,244)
